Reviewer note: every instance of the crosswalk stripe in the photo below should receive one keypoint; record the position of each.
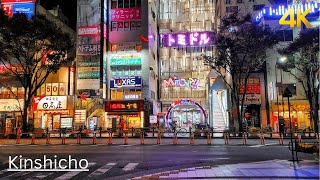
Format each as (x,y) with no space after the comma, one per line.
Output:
(130,166)
(40,176)
(102,170)
(71,174)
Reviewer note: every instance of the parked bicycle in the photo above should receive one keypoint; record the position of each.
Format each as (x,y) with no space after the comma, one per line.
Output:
(179,131)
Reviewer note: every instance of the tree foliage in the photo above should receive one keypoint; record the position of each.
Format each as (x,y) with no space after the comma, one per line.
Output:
(305,49)
(31,49)
(240,51)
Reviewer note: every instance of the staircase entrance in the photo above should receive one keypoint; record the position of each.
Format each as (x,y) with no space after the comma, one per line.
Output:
(220,121)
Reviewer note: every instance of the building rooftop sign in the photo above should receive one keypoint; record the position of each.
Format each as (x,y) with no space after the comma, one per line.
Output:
(188,39)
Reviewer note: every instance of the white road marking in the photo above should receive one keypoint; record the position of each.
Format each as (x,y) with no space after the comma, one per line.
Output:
(71,174)
(41,176)
(102,170)
(130,166)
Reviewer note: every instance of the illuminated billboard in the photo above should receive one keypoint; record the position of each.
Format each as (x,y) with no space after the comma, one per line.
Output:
(188,39)
(11,7)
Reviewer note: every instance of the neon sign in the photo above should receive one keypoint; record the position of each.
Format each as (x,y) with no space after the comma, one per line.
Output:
(124,106)
(188,39)
(134,81)
(118,60)
(279,11)
(191,83)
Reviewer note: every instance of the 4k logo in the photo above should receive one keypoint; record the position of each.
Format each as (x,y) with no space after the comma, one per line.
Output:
(301,17)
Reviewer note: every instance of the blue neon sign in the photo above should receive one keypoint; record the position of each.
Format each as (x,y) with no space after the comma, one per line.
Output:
(25,8)
(275,13)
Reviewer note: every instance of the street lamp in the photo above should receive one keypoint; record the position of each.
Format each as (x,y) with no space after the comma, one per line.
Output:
(279,64)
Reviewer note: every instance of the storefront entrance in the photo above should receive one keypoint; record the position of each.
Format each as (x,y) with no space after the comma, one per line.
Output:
(184,113)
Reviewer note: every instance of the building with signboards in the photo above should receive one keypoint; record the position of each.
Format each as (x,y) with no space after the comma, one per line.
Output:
(53,101)
(280,75)
(186,33)
(132,64)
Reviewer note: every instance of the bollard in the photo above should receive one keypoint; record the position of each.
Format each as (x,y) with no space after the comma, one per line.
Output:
(125,138)
(18,139)
(79,138)
(299,138)
(244,138)
(192,139)
(317,137)
(110,138)
(261,138)
(48,138)
(175,138)
(208,139)
(33,138)
(63,140)
(280,139)
(142,137)
(94,138)
(159,137)
(226,138)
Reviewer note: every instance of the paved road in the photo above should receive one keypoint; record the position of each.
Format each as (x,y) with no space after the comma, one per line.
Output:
(120,161)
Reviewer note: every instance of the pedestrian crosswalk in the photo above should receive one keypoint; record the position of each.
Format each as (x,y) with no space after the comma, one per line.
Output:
(96,171)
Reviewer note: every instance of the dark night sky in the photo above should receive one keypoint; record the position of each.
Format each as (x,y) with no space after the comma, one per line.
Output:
(69,9)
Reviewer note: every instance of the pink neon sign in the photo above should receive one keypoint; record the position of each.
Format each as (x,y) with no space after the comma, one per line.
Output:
(188,39)
(191,83)
(125,14)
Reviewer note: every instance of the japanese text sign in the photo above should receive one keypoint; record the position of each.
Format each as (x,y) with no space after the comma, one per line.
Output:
(50,102)
(188,39)
(125,14)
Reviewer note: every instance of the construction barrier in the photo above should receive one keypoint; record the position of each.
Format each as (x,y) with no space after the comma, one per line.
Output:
(281,139)
(110,138)
(142,137)
(94,138)
(48,138)
(226,138)
(244,138)
(261,138)
(33,138)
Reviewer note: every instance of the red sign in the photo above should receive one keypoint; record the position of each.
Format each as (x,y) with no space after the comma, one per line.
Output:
(125,14)
(7,8)
(16,1)
(251,88)
(88,31)
(124,106)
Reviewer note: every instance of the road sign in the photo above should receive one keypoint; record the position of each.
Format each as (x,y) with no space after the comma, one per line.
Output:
(287,93)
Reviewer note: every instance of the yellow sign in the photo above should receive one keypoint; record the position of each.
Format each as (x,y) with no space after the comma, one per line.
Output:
(301,17)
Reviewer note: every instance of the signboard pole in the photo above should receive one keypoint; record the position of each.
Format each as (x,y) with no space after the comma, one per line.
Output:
(288,94)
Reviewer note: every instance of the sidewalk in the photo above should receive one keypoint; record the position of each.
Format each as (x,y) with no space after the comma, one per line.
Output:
(272,169)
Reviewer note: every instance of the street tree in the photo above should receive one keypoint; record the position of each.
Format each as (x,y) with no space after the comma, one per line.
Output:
(31,50)
(304,65)
(241,47)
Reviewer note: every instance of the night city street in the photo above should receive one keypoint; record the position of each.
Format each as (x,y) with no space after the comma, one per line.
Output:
(159,89)
(151,158)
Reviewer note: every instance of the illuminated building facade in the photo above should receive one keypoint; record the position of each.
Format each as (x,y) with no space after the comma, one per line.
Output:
(131,63)
(186,33)
(278,78)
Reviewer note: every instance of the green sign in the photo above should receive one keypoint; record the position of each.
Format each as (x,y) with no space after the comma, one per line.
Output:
(124,60)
